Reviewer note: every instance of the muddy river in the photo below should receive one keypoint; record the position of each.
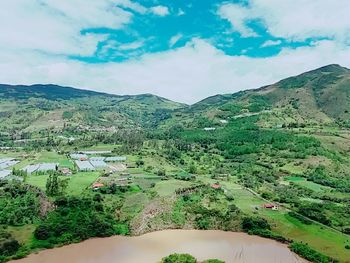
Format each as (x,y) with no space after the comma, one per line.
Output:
(150,248)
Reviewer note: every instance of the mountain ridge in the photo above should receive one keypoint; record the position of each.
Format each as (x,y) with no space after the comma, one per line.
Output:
(331,68)
(321,95)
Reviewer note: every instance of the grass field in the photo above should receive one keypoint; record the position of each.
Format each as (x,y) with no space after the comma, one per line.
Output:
(23,234)
(308,184)
(330,242)
(37,180)
(294,169)
(76,185)
(294,179)
(81,181)
(167,188)
(50,157)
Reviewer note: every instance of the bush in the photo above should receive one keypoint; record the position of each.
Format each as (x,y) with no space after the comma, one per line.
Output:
(8,247)
(254,223)
(179,258)
(310,254)
(268,234)
(300,218)
(77,219)
(42,232)
(19,204)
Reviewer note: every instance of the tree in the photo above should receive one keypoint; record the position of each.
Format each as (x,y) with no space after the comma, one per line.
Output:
(56,186)
(161,172)
(192,168)
(63,184)
(140,163)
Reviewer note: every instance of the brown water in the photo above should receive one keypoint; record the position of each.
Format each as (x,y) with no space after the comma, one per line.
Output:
(150,248)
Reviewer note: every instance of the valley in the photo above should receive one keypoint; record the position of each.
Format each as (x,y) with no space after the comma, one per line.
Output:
(272,162)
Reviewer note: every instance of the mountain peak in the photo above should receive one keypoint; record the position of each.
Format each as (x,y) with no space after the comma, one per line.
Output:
(331,68)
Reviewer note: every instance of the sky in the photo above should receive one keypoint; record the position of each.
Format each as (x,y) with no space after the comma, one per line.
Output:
(179,49)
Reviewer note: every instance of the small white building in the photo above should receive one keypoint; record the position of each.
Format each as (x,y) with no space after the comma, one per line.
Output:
(41,167)
(209,129)
(115,159)
(78,156)
(97,159)
(7,162)
(84,166)
(98,164)
(96,152)
(4,174)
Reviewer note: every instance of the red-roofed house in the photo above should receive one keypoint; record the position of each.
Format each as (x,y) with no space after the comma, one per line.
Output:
(97,186)
(216,186)
(270,206)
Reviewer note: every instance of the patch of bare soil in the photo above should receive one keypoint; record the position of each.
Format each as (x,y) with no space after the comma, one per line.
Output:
(155,216)
(45,206)
(315,161)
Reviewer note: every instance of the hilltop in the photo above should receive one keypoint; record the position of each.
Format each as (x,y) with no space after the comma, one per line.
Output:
(38,107)
(319,96)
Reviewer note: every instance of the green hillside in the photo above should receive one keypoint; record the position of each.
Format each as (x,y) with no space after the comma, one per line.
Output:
(40,107)
(319,96)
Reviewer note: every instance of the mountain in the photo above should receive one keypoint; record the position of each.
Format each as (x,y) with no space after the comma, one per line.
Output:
(318,96)
(49,92)
(38,107)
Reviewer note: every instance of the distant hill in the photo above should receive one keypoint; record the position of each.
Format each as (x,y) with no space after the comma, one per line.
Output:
(50,92)
(38,107)
(318,96)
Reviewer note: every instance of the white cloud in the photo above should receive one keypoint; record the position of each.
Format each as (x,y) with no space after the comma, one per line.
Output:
(132,5)
(270,43)
(174,39)
(131,46)
(160,10)
(238,16)
(292,19)
(54,26)
(308,18)
(186,74)
(181,12)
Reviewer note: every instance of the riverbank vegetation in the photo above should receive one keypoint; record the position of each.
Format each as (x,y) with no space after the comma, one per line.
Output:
(186,258)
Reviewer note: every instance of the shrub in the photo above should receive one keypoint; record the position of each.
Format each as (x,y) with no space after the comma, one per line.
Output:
(9,247)
(179,258)
(77,219)
(253,223)
(268,234)
(42,232)
(310,254)
(300,218)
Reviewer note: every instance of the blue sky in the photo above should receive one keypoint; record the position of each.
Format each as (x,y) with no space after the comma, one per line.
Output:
(182,50)
(148,33)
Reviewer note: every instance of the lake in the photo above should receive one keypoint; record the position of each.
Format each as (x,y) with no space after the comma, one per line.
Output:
(152,247)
